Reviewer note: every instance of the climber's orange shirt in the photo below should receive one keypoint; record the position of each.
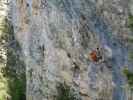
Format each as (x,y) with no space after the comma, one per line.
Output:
(93,56)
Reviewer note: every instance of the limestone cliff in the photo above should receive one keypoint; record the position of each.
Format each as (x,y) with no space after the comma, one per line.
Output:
(56,37)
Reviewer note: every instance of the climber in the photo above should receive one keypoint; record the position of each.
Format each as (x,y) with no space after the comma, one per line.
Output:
(96,55)
(93,56)
(101,54)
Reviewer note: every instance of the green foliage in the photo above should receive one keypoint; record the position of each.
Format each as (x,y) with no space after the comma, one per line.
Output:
(17,88)
(130,22)
(7,27)
(130,39)
(130,25)
(130,56)
(65,93)
(3,87)
(7,30)
(16,76)
(13,73)
(129,76)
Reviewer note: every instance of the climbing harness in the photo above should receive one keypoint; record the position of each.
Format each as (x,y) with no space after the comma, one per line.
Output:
(101,55)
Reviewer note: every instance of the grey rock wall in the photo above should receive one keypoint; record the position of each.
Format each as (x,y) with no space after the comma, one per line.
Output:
(56,37)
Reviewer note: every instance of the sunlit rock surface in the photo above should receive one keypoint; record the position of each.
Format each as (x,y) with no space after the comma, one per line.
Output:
(56,37)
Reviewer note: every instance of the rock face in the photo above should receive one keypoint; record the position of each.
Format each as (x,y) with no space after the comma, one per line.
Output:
(56,37)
